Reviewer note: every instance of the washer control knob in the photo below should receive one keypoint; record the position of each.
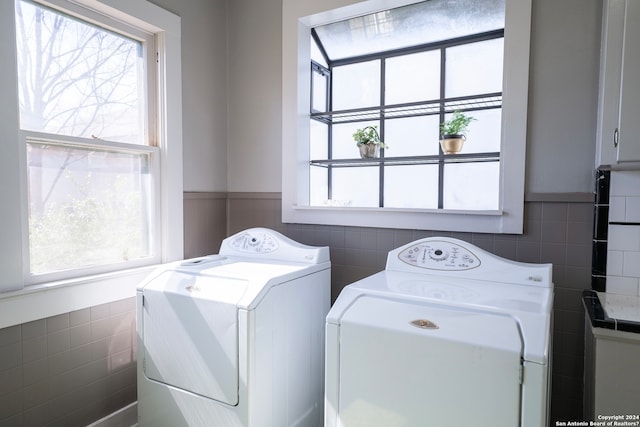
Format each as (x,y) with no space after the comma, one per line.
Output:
(438,254)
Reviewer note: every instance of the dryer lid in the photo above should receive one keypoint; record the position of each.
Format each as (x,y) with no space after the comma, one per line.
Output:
(190,333)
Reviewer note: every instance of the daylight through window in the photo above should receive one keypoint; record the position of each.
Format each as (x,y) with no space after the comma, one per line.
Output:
(83,118)
(403,72)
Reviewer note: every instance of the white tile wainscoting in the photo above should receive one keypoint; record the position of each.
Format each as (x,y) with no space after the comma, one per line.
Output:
(623,250)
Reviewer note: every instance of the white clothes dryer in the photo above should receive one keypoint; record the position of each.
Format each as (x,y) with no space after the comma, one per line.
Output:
(447,335)
(235,339)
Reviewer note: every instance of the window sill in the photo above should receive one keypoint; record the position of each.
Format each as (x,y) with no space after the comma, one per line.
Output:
(51,299)
(490,221)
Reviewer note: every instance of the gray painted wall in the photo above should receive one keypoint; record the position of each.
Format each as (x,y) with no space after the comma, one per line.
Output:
(255,95)
(204,91)
(562,103)
(232,132)
(232,94)
(565,54)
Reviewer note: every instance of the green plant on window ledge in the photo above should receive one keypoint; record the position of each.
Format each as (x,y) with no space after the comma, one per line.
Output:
(368,141)
(453,132)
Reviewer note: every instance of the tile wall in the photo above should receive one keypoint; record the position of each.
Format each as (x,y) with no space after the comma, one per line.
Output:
(559,232)
(73,369)
(209,212)
(623,249)
(68,370)
(600,231)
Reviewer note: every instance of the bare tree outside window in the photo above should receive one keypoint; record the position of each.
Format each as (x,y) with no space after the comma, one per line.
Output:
(77,79)
(87,205)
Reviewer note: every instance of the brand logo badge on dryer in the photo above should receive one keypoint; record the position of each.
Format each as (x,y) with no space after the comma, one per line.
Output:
(424,324)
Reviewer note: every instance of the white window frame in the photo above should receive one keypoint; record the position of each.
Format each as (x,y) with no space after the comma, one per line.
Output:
(18,301)
(299,16)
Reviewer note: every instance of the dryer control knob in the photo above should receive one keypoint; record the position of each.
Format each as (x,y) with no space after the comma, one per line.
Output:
(438,254)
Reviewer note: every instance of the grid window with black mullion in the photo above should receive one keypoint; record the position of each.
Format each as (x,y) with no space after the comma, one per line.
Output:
(413,172)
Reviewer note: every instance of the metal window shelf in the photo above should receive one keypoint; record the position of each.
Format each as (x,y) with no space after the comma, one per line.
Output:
(414,160)
(475,103)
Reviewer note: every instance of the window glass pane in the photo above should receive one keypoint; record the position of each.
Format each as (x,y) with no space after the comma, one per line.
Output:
(87,206)
(412,136)
(319,149)
(319,92)
(411,186)
(471,186)
(318,183)
(484,133)
(412,78)
(77,79)
(344,146)
(470,69)
(355,186)
(484,58)
(412,25)
(356,85)
(316,55)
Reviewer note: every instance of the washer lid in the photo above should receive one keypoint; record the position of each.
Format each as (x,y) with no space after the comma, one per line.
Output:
(402,363)
(529,305)
(472,327)
(190,333)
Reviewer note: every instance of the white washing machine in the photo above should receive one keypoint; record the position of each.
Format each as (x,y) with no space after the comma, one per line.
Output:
(447,335)
(237,338)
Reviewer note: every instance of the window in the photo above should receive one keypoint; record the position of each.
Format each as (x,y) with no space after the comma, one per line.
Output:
(80,79)
(91,123)
(82,89)
(88,206)
(405,93)
(404,70)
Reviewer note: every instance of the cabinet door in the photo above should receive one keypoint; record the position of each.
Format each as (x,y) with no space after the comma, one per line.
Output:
(629,129)
(610,73)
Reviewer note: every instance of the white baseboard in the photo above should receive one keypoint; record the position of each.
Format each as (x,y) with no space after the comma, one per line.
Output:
(123,417)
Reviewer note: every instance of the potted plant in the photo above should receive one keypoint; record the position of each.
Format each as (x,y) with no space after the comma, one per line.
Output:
(368,141)
(452,132)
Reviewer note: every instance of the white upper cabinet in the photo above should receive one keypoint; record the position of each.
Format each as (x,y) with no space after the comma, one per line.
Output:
(618,135)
